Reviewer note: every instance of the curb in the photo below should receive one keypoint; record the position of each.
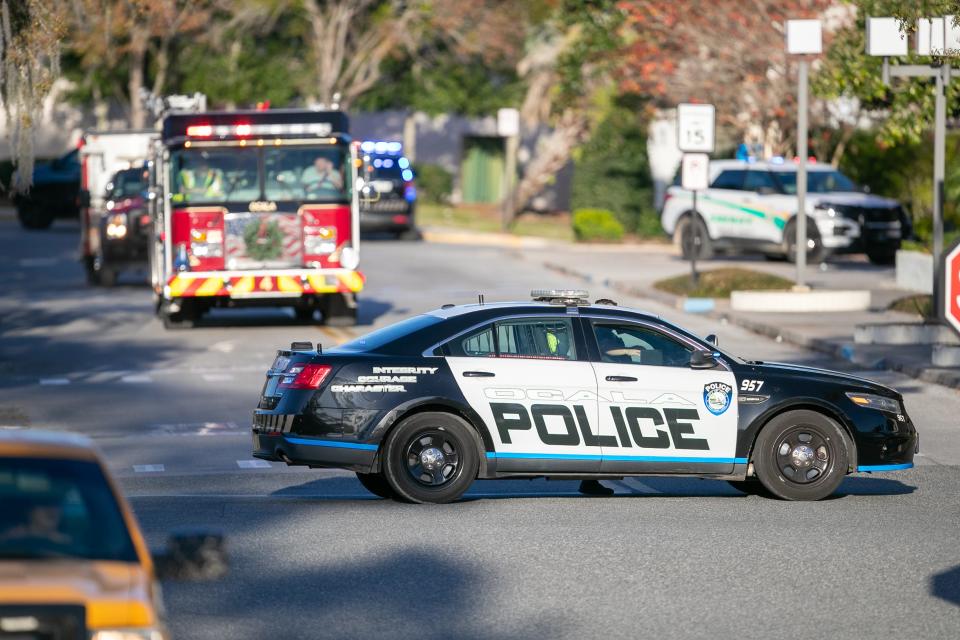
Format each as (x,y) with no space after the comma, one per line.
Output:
(841,351)
(445,235)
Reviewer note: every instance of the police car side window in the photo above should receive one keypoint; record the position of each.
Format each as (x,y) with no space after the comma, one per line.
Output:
(730,179)
(478,344)
(635,344)
(548,339)
(757,180)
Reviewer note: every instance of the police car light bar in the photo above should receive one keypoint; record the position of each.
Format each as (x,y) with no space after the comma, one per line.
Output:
(380,146)
(561,296)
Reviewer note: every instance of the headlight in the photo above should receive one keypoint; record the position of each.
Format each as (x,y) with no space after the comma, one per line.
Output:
(127,634)
(117,226)
(872,401)
(824,211)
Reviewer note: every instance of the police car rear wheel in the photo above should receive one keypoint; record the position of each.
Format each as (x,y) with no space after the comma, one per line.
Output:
(431,458)
(801,455)
(376,484)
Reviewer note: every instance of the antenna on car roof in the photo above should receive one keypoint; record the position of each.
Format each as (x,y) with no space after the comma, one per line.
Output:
(480,298)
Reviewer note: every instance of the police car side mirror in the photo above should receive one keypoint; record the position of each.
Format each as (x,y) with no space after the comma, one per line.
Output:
(192,555)
(713,339)
(702,360)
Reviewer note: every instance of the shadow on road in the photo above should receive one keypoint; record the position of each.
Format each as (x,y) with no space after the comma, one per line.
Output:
(406,592)
(946,585)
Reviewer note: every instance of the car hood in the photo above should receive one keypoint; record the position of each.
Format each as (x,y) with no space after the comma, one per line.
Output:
(826,375)
(115,594)
(852,198)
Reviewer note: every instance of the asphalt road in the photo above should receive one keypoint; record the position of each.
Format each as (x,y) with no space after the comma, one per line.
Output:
(313,555)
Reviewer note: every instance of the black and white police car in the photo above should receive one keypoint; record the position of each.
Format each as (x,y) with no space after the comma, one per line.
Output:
(562,388)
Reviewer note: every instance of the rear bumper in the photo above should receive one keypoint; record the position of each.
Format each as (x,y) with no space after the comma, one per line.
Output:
(292,283)
(376,221)
(314,452)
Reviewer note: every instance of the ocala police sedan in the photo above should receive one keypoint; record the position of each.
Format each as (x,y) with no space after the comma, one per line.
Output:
(561,388)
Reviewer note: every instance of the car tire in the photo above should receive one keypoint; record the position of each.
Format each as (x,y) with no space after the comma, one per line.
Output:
(376,484)
(801,455)
(815,254)
(337,310)
(751,487)
(410,235)
(882,258)
(107,276)
(431,457)
(33,217)
(684,238)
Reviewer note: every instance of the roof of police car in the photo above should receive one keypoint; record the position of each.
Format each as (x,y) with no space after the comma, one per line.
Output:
(494,309)
(785,166)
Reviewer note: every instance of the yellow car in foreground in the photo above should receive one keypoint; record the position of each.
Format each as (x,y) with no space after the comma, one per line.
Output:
(73,563)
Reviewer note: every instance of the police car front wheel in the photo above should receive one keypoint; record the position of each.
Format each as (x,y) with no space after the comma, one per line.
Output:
(431,458)
(801,455)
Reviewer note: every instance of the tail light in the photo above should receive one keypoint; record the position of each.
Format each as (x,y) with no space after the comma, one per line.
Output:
(304,376)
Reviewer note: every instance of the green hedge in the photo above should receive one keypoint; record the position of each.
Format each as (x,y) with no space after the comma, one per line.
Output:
(611,170)
(905,172)
(434,183)
(596,225)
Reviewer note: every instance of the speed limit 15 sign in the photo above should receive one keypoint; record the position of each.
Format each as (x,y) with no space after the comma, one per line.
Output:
(695,123)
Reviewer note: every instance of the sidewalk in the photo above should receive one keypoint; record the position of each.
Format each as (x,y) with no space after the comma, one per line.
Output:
(829,333)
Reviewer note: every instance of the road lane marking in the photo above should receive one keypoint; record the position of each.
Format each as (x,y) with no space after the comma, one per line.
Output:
(218,377)
(54,381)
(196,429)
(149,468)
(254,464)
(137,378)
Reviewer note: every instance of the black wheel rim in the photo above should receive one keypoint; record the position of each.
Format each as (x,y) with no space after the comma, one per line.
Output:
(432,458)
(804,456)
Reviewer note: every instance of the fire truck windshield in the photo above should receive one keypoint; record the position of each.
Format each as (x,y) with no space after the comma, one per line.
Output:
(278,174)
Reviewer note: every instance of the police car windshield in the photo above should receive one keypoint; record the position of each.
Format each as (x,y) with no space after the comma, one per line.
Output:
(60,509)
(375,340)
(817,182)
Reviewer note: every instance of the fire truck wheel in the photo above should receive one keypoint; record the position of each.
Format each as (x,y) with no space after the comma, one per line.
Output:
(304,314)
(93,276)
(339,310)
(177,321)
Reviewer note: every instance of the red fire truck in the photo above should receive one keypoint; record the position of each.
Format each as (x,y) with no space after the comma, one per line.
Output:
(255,208)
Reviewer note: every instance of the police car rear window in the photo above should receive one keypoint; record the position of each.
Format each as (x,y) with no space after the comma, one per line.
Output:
(376,340)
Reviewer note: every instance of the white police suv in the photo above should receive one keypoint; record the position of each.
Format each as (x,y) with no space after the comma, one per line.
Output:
(752,206)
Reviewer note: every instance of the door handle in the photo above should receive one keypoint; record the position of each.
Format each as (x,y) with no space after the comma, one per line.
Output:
(621,379)
(478,374)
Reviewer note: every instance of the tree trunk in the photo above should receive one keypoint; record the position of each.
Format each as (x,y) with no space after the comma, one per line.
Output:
(138,54)
(550,156)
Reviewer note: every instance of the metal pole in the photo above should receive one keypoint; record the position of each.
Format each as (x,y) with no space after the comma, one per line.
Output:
(939,142)
(801,241)
(694,276)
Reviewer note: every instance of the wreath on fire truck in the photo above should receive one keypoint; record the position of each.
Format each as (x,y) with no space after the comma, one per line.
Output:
(264,239)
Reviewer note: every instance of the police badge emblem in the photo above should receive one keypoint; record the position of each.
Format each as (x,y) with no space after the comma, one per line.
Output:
(717,397)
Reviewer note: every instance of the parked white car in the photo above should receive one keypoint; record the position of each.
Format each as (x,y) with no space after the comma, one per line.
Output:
(752,207)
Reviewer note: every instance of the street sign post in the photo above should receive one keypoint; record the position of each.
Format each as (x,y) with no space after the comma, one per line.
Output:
(695,176)
(803,37)
(695,128)
(950,277)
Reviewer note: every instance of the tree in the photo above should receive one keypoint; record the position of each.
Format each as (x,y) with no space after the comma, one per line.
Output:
(349,40)
(731,53)
(568,67)
(904,110)
(30,33)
